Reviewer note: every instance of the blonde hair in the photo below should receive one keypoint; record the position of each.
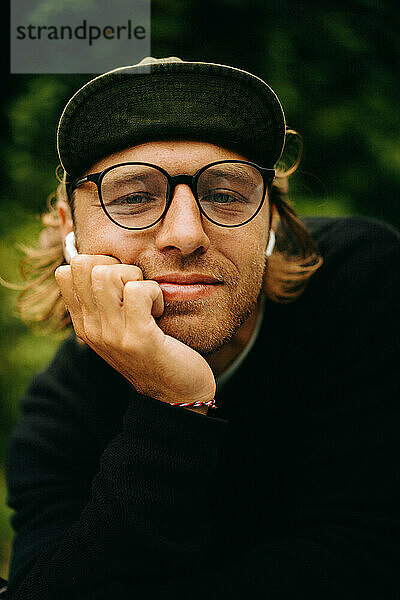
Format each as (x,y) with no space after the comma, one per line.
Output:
(294,260)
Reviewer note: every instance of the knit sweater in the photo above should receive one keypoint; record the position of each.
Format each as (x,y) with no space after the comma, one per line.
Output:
(289,489)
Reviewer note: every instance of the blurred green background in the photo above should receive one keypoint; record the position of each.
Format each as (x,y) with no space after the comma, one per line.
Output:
(336,72)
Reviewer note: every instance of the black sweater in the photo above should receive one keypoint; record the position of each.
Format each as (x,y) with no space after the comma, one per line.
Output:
(290,489)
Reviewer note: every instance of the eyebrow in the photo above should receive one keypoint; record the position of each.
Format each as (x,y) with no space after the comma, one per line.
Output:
(141,176)
(235,174)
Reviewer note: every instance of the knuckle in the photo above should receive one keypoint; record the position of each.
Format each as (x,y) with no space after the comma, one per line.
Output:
(99,269)
(154,285)
(58,272)
(78,261)
(105,260)
(132,288)
(61,273)
(135,271)
(99,272)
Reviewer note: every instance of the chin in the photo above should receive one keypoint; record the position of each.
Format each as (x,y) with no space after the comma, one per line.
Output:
(206,331)
(193,330)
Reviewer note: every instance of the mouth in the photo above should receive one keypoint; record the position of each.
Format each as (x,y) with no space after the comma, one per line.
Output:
(178,286)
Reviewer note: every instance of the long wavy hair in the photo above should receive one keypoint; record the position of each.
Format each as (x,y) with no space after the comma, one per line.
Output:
(294,260)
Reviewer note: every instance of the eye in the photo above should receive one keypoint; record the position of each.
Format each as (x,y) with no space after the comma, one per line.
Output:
(133,199)
(222,197)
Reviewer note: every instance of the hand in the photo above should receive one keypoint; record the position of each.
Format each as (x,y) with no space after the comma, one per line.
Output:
(112,309)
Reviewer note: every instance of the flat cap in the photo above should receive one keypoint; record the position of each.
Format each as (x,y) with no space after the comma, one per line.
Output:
(169,98)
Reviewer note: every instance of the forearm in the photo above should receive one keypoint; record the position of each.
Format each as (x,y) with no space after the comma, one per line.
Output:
(147,516)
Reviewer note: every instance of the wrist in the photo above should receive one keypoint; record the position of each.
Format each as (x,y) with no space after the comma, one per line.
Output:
(195,404)
(202,410)
(199,406)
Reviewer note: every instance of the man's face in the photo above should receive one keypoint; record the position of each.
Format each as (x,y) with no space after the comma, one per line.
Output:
(183,242)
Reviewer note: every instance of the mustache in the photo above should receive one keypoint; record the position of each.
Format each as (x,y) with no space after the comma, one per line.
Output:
(152,267)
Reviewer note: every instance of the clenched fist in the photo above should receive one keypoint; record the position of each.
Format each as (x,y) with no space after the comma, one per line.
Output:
(112,309)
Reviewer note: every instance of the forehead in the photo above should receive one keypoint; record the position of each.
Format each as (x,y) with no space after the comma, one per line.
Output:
(176,156)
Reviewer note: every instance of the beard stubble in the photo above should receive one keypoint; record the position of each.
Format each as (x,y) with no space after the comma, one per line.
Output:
(206,324)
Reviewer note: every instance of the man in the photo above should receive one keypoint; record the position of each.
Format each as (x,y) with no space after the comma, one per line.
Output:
(207,438)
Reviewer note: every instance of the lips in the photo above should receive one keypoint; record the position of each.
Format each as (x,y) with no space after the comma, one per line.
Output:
(179,286)
(186,279)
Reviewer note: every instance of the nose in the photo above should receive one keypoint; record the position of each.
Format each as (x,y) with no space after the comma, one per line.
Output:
(182,226)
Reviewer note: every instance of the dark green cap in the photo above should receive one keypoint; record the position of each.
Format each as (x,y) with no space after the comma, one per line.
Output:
(168,98)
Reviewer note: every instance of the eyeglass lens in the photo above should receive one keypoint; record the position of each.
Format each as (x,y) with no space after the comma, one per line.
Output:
(136,195)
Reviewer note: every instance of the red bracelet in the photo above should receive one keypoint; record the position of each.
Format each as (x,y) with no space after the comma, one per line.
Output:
(210,403)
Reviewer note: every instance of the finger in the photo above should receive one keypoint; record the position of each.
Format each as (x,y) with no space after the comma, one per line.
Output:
(142,301)
(108,283)
(81,268)
(63,277)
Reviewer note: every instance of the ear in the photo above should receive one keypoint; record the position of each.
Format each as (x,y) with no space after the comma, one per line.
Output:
(65,216)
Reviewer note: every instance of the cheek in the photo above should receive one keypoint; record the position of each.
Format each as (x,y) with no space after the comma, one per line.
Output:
(96,234)
(247,250)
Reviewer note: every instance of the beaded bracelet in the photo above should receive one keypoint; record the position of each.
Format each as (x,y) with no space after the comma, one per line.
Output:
(210,403)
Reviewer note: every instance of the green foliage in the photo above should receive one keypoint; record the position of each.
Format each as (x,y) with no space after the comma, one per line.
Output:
(5,528)
(30,160)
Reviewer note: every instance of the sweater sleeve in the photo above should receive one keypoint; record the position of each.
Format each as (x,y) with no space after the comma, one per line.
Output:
(142,517)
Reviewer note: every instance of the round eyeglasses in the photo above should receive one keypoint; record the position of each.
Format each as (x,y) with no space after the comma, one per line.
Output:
(136,195)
